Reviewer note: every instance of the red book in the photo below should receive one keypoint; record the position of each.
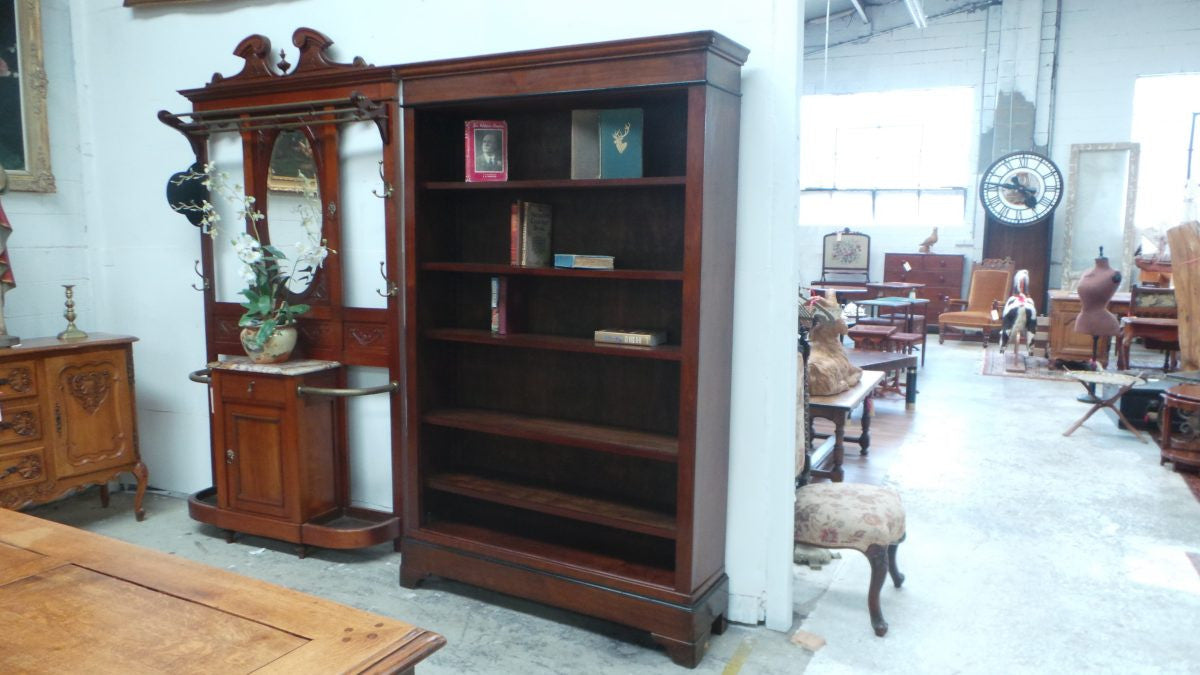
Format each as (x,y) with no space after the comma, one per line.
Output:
(514,234)
(486,143)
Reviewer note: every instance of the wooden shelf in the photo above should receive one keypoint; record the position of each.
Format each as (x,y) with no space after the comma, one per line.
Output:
(557,183)
(503,545)
(515,270)
(554,342)
(596,437)
(554,502)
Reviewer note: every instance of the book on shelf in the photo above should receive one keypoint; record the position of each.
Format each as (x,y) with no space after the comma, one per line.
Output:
(621,143)
(583,261)
(499,305)
(585,144)
(486,143)
(529,234)
(645,338)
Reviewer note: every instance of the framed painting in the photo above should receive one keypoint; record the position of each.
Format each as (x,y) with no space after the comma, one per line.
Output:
(24,131)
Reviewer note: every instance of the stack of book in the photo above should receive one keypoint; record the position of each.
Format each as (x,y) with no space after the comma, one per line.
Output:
(581,261)
(645,338)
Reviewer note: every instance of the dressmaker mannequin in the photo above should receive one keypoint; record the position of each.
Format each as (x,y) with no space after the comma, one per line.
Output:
(1096,287)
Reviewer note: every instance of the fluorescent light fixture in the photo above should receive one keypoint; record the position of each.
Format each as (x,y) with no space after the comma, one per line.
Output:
(917,12)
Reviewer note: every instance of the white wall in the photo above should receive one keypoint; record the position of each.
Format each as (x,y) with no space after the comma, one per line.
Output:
(130,62)
(949,52)
(49,244)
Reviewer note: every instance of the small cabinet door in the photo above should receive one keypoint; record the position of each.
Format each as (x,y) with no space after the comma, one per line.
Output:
(254,465)
(92,413)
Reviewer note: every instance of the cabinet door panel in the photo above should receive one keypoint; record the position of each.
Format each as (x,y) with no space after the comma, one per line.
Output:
(253,465)
(92,411)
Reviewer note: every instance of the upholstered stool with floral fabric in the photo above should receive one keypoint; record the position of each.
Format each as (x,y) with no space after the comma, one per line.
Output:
(867,518)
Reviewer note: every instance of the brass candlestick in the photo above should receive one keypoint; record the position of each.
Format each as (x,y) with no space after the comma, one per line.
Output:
(71,332)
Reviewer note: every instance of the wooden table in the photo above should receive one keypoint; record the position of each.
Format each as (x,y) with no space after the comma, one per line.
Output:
(886,362)
(1182,448)
(1152,328)
(1089,379)
(74,601)
(901,287)
(837,409)
(871,337)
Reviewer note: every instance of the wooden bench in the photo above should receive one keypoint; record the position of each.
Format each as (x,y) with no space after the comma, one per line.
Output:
(837,408)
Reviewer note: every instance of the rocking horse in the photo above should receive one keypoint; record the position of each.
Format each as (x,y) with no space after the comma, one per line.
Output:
(1019,315)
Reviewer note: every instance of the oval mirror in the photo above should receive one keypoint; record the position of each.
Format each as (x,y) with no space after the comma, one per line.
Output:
(294,208)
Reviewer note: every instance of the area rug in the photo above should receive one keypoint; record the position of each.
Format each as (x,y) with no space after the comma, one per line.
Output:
(1036,367)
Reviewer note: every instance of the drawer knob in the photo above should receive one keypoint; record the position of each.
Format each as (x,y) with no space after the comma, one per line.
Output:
(250,387)
(230,455)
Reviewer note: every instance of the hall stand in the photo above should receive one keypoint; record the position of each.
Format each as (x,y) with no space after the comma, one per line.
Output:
(279,437)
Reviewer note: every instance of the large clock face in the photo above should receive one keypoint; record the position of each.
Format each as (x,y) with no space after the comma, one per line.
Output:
(1021,188)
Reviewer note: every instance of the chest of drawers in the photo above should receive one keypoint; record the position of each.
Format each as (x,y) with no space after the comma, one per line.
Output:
(942,275)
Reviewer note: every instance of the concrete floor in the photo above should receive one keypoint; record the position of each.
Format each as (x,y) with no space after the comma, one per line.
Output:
(1026,552)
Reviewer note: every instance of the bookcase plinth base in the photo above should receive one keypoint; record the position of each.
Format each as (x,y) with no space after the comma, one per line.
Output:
(682,629)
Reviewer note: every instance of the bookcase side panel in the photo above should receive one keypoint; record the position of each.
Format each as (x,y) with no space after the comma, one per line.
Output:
(712,314)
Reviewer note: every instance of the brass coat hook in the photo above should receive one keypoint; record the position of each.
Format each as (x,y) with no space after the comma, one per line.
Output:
(206,285)
(392,289)
(387,187)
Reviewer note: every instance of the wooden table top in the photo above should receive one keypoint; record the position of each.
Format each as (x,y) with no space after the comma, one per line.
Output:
(850,398)
(871,329)
(869,359)
(74,601)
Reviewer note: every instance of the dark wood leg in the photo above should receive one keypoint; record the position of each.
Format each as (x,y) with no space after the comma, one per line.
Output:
(104,495)
(910,386)
(410,578)
(897,577)
(686,654)
(864,439)
(839,447)
(719,625)
(878,556)
(230,535)
(142,476)
(301,551)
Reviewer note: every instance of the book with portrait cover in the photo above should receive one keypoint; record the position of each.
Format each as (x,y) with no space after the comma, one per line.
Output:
(529,234)
(621,143)
(486,143)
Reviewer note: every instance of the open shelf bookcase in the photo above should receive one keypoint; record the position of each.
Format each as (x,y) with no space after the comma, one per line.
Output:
(539,462)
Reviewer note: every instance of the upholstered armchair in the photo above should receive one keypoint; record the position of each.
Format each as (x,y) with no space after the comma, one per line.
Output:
(990,285)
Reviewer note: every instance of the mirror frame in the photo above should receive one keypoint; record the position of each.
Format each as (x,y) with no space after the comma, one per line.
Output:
(36,176)
(1128,232)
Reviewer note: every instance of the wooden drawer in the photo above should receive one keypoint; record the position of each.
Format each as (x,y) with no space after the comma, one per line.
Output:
(931,278)
(22,468)
(17,379)
(252,387)
(20,422)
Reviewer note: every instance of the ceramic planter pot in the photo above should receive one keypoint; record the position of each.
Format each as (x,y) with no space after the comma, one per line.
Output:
(277,348)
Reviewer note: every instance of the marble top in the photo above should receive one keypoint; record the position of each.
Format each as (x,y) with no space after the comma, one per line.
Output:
(297,367)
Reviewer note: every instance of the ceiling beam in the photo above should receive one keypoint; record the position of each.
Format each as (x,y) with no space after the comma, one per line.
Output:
(862,14)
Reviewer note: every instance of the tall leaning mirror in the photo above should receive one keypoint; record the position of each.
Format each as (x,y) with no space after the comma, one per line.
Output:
(1101,195)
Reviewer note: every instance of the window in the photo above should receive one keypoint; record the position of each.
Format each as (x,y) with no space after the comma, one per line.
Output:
(1165,109)
(886,158)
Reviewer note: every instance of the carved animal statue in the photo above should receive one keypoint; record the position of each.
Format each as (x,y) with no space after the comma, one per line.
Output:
(928,243)
(829,370)
(1020,314)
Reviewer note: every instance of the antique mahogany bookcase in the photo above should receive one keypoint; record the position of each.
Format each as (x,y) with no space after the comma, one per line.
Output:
(537,463)
(541,463)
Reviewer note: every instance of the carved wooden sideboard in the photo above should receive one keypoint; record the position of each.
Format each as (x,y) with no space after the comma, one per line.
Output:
(1068,345)
(67,419)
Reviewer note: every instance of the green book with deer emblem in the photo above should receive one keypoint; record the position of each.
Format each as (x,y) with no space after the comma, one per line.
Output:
(621,143)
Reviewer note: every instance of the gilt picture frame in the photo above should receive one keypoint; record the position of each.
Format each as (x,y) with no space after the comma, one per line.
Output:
(24,128)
